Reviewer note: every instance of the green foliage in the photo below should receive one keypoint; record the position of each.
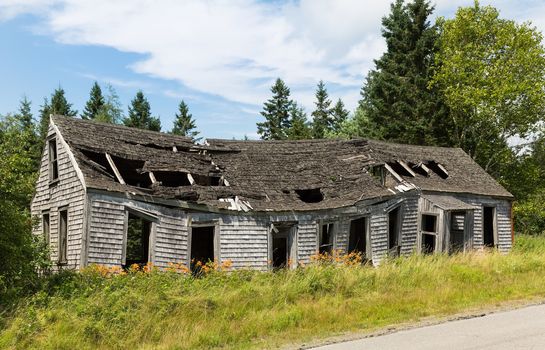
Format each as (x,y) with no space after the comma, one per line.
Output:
(530,214)
(111,111)
(339,115)
(322,121)
(491,72)
(184,124)
(22,253)
(140,114)
(299,126)
(276,112)
(395,98)
(95,103)
(220,310)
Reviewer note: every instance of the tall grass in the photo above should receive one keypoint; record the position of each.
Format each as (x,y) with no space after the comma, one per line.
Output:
(247,309)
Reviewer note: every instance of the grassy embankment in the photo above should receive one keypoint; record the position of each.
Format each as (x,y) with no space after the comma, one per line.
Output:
(247,309)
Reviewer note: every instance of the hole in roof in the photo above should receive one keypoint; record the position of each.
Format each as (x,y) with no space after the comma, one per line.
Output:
(210,180)
(99,162)
(172,178)
(438,169)
(313,195)
(417,168)
(131,171)
(400,169)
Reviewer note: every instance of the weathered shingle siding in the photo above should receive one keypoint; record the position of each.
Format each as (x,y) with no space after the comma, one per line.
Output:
(106,232)
(379,236)
(409,225)
(244,241)
(307,240)
(67,192)
(503,220)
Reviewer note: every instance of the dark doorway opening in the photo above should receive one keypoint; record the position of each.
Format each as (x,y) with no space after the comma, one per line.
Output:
(357,239)
(138,234)
(393,231)
(279,252)
(489,229)
(428,243)
(202,246)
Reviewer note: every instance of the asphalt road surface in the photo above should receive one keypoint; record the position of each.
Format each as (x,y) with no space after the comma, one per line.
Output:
(517,329)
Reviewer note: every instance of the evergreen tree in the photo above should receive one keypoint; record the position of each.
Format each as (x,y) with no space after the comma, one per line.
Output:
(184,124)
(339,115)
(58,105)
(140,114)
(33,145)
(45,112)
(299,128)
(276,112)
(396,98)
(94,104)
(322,119)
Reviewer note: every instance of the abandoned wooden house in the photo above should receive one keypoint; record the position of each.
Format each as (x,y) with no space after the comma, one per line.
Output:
(114,195)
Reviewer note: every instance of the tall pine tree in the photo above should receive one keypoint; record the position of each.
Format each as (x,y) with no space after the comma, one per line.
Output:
(396,98)
(184,124)
(140,114)
(339,115)
(95,103)
(299,128)
(33,145)
(322,120)
(276,112)
(58,105)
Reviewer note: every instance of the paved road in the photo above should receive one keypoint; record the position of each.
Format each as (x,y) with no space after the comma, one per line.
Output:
(518,329)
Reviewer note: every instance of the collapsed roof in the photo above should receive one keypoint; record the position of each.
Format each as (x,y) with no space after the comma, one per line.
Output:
(265,175)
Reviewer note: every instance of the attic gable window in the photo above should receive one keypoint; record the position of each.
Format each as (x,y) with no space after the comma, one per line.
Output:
(53,161)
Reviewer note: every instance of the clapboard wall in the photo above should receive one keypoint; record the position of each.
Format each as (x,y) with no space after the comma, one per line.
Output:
(68,192)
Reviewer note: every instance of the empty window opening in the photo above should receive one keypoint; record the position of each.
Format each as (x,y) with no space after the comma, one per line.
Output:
(393,230)
(326,239)
(429,223)
(46,227)
(438,169)
(53,161)
(313,195)
(489,226)
(400,169)
(378,172)
(63,236)
(172,178)
(202,246)
(100,162)
(131,171)
(457,221)
(138,237)
(358,235)
(428,243)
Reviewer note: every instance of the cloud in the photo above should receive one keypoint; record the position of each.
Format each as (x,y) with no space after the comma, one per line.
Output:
(235,49)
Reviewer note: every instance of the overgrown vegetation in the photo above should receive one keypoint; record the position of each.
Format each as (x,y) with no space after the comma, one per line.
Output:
(249,309)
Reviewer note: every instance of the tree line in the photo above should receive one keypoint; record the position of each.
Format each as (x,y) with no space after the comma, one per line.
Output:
(473,81)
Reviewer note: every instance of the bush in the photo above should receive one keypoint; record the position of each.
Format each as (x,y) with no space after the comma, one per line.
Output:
(530,214)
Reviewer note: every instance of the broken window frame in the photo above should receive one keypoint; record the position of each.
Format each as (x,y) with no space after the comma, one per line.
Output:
(367,225)
(395,250)
(290,230)
(217,232)
(62,236)
(53,160)
(46,226)
(332,236)
(145,215)
(431,233)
